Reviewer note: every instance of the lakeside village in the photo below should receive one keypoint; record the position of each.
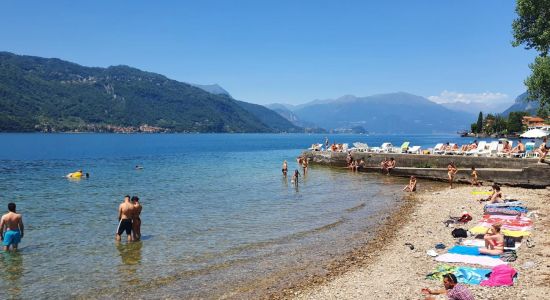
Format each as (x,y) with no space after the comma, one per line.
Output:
(496,126)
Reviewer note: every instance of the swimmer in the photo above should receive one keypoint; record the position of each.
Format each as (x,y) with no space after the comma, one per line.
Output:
(138,167)
(15,230)
(125,215)
(136,220)
(77,174)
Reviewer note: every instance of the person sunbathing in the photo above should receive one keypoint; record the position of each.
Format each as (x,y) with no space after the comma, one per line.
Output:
(494,241)
(411,187)
(446,147)
(454,147)
(472,146)
(520,148)
(507,148)
(465,148)
(496,195)
(390,165)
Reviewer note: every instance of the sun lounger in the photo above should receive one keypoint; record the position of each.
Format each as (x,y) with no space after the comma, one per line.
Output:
(501,152)
(316,147)
(385,148)
(480,147)
(493,148)
(360,147)
(438,149)
(530,150)
(403,149)
(414,150)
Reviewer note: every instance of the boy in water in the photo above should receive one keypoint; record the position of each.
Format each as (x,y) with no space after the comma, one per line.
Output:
(15,230)
(294,179)
(125,215)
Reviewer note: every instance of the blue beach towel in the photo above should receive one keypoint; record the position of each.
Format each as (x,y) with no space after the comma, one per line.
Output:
(466,250)
(464,275)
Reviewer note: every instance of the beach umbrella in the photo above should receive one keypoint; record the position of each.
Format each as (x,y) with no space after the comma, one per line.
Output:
(534,133)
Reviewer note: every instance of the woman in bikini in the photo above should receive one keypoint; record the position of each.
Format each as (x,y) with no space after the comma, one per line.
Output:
(494,241)
(451,172)
(496,196)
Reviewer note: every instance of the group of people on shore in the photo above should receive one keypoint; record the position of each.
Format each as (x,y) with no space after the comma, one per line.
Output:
(387,165)
(354,164)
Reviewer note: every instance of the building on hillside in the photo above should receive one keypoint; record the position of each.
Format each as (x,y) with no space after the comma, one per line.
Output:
(532,121)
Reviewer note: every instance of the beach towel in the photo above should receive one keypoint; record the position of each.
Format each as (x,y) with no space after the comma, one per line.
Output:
(508,210)
(470,259)
(464,275)
(467,250)
(514,233)
(502,275)
(481,243)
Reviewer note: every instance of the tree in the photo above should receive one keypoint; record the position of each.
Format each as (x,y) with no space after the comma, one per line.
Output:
(514,121)
(532,29)
(479,125)
(474,128)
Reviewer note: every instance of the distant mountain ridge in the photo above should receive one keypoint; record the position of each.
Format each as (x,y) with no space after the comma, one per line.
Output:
(49,94)
(385,113)
(521,104)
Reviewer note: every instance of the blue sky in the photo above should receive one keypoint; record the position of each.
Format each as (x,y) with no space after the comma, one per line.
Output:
(287,51)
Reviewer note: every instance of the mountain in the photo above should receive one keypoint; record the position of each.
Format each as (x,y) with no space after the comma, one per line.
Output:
(48,94)
(521,104)
(386,113)
(475,107)
(268,116)
(212,89)
(262,113)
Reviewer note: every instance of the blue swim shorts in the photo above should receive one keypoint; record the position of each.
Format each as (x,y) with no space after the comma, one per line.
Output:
(12,237)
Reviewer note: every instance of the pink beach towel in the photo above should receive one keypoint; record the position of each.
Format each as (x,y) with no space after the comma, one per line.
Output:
(502,275)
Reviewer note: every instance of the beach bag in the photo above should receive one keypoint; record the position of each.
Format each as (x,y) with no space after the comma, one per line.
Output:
(509,256)
(459,233)
(509,242)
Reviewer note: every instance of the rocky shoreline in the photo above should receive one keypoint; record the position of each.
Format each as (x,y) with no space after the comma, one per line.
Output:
(386,268)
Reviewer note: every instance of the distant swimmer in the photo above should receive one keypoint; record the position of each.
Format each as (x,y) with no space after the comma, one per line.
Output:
(136,220)
(138,167)
(285,168)
(125,215)
(12,222)
(77,174)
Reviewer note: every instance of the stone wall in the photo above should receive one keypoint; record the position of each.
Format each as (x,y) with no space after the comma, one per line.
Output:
(502,170)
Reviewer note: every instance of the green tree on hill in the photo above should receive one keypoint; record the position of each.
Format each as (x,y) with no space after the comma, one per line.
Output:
(479,125)
(532,29)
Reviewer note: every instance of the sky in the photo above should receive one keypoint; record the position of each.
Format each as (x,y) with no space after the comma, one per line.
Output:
(288,51)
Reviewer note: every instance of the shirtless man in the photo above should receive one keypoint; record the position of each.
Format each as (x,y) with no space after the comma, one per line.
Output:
(285,168)
(542,150)
(136,220)
(125,214)
(13,223)
(520,148)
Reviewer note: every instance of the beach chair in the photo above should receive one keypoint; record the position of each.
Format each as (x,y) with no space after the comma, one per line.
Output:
(438,149)
(360,147)
(386,148)
(449,152)
(492,149)
(404,147)
(480,147)
(414,150)
(316,147)
(345,147)
(530,150)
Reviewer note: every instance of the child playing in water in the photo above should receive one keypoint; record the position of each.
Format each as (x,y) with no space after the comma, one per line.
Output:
(411,187)
(294,179)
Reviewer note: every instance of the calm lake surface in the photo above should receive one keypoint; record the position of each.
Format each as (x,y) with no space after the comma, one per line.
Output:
(219,220)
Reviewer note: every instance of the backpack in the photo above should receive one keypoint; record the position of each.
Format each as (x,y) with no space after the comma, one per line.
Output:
(459,233)
(509,242)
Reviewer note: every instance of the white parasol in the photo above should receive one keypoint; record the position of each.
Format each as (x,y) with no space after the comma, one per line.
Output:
(534,133)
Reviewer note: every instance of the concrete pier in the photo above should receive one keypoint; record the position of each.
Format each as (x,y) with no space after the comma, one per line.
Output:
(525,172)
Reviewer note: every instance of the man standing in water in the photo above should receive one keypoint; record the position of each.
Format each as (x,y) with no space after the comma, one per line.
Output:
(125,215)
(13,222)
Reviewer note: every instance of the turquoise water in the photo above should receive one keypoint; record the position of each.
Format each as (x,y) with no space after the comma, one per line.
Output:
(217,213)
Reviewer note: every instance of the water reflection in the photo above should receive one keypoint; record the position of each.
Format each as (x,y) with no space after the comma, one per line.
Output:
(130,255)
(11,268)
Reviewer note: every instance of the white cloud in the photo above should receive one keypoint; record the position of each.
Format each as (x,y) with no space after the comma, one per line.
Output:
(486,98)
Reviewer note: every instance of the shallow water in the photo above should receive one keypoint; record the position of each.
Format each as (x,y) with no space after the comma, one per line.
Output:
(218,218)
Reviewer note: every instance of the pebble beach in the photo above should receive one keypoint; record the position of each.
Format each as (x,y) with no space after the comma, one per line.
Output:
(386,268)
